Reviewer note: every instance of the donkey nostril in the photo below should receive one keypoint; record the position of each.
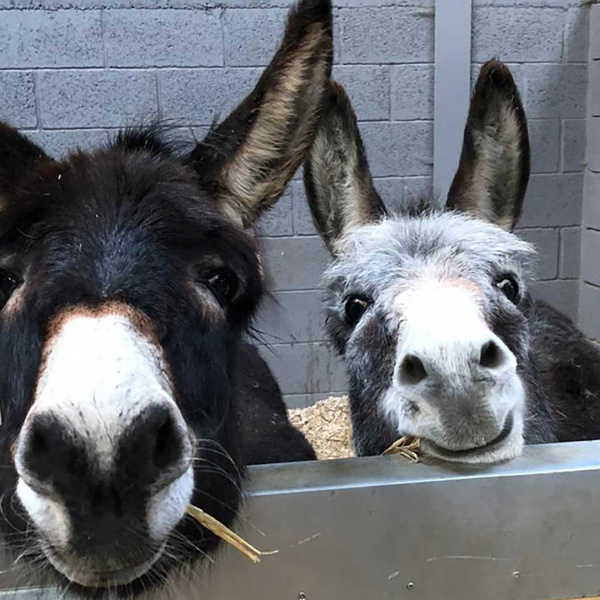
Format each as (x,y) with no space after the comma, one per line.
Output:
(38,442)
(167,443)
(491,355)
(412,370)
(49,448)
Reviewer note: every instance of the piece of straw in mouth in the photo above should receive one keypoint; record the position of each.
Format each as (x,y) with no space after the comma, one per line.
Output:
(406,446)
(226,534)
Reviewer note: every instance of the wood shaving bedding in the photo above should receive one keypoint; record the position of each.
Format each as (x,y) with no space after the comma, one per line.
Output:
(327,427)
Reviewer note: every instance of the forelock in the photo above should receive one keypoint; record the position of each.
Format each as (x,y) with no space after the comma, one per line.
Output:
(374,256)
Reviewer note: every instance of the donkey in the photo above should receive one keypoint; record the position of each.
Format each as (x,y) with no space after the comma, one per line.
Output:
(432,310)
(128,278)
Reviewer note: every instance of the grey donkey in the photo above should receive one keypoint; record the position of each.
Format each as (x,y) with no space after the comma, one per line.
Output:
(432,310)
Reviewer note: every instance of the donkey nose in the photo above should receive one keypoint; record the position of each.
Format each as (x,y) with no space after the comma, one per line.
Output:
(152,451)
(439,360)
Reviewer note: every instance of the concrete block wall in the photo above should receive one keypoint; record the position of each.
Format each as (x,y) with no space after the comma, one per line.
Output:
(590,248)
(71,71)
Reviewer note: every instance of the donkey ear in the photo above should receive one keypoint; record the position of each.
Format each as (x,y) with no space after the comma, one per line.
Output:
(17,156)
(247,161)
(339,187)
(494,165)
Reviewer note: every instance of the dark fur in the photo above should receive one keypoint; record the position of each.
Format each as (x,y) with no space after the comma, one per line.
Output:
(339,125)
(137,224)
(496,92)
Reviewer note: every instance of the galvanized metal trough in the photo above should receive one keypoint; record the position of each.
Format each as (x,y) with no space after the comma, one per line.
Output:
(382,528)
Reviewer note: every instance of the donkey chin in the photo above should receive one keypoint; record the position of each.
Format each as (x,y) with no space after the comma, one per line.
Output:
(481,425)
(105,566)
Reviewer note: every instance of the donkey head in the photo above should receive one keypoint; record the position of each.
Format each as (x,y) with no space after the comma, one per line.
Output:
(127,277)
(428,309)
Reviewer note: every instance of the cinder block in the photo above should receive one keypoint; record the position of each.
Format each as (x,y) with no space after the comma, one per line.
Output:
(544,136)
(338,378)
(553,201)
(594,98)
(303,224)
(427,4)
(518,34)
(294,263)
(304,400)
(590,257)
(290,317)
(391,190)
(593,144)
(293,401)
(591,200)
(17,98)
(399,149)
(252,36)
(556,91)
(595,32)
(198,96)
(589,320)
(546,243)
(299,174)
(278,221)
(188,137)
(412,92)
(578,34)
(570,253)
(232,3)
(574,140)
(386,35)
(149,38)
(59,143)
(560,293)
(299,368)
(368,88)
(417,189)
(72,99)
(80,4)
(41,38)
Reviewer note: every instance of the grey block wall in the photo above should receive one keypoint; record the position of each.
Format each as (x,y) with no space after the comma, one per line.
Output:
(71,71)
(590,248)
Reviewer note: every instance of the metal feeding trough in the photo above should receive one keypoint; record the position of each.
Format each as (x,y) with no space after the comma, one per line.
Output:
(382,528)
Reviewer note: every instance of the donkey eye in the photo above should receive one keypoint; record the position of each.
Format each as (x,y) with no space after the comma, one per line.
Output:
(223,284)
(9,282)
(355,308)
(509,287)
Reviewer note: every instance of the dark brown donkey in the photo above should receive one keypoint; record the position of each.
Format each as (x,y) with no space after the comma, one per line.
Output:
(127,279)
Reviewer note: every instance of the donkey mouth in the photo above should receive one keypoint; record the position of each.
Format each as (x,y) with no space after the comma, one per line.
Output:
(91,578)
(472,454)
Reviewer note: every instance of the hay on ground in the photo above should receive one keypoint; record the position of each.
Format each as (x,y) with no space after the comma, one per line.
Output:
(327,427)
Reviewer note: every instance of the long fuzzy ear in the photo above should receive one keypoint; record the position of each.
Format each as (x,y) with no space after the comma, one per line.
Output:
(494,166)
(17,156)
(246,162)
(339,187)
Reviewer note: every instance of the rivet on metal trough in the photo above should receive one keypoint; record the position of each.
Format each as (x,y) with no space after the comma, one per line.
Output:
(410,586)
(516,575)
(301,596)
